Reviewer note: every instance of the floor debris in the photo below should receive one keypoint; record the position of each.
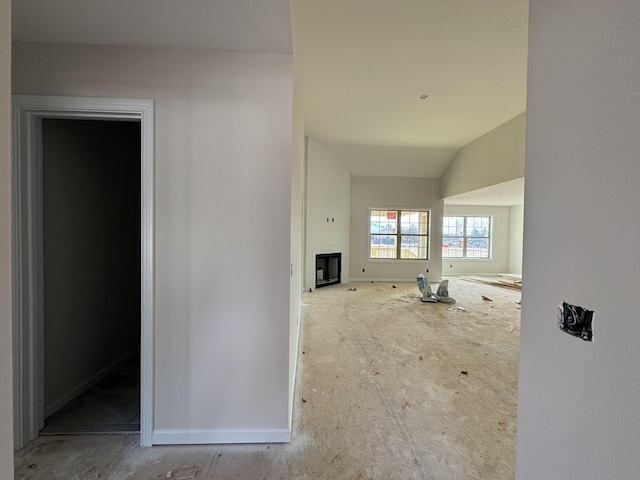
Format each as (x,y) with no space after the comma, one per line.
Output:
(442,422)
(486,298)
(506,280)
(185,473)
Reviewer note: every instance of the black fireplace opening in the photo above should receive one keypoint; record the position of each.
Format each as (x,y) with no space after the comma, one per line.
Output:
(328,267)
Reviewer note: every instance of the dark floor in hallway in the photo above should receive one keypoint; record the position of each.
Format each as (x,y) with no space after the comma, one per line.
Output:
(111,406)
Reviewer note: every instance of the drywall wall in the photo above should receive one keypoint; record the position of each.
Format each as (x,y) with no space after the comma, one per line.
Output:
(496,157)
(392,192)
(297,228)
(498,263)
(91,247)
(6,360)
(578,416)
(516,226)
(222,225)
(328,184)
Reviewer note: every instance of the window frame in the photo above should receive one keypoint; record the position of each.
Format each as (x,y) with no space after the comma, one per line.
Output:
(465,237)
(398,235)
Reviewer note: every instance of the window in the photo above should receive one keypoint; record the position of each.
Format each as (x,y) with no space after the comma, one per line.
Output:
(466,237)
(399,234)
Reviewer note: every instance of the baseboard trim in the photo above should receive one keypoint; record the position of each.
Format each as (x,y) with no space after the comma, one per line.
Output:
(79,389)
(191,436)
(390,280)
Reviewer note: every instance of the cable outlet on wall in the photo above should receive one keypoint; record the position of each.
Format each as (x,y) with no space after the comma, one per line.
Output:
(363,270)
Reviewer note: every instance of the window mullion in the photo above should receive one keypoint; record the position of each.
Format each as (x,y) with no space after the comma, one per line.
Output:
(464,237)
(398,236)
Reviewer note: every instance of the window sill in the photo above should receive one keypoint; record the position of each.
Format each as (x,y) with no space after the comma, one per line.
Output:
(397,260)
(458,259)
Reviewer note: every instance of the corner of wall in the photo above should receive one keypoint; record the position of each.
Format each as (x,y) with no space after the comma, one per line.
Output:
(6,355)
(327,209)
(496,157)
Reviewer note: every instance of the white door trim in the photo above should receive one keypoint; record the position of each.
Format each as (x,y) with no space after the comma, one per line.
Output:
(28,111)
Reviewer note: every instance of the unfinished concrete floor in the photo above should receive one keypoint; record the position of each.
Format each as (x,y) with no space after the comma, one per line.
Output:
(387,388)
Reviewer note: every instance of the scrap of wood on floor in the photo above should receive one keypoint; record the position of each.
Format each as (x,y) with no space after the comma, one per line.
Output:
(507,280)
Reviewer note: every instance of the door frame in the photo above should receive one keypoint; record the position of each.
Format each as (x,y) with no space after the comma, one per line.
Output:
(27,257)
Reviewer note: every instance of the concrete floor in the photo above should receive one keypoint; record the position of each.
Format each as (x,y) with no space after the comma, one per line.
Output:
(388,388)
(113,405)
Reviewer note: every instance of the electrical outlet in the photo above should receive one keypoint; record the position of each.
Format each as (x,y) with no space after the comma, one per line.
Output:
(363,270)
(576,321)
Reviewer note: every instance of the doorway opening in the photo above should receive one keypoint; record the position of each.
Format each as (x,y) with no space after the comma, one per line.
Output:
(91,275)
(83,258)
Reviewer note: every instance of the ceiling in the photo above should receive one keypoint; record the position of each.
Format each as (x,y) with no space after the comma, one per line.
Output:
(503,195)
(365,63)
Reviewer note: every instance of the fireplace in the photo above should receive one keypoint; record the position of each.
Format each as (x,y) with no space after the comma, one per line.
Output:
(328,266)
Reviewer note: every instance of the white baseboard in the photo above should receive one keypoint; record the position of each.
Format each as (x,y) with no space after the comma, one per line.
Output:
(476,274)
(191,436)
(391,280)
(79,389)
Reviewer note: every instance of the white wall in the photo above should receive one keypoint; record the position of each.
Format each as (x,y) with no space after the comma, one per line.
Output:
(223,221)
(393,192)
(328,184)
(516,238)
(496,157)
(578,416)
(499,261)
(297,227)
(6,360)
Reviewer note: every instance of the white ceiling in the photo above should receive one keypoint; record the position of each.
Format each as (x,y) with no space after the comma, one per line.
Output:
(504,194)
(365,63)
(394,161)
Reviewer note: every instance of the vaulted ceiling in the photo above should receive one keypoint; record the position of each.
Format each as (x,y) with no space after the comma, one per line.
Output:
(391,87)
